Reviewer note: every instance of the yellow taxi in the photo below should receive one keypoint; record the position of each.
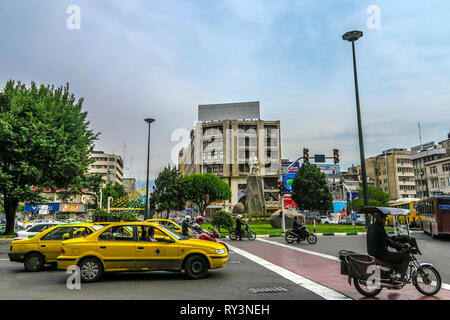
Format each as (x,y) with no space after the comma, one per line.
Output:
(45,247)
(140,246)
(170,224)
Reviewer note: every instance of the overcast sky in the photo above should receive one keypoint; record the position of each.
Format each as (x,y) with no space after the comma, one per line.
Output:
(162,58)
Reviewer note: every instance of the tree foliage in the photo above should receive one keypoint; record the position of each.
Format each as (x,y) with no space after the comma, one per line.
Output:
(169,191)
(45,143)
(377,197)
(205,188)
(222,219)
(114,190)
(310,190)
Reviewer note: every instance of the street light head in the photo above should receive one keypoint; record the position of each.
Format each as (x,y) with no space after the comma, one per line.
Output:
(149,120)
(352,35)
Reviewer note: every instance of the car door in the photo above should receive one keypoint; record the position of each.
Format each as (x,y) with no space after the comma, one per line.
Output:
(158,254)
(50,244)
(117,246)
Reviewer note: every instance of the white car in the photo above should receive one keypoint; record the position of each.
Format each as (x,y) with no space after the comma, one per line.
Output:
(34,230)
(41,221)
(328,220)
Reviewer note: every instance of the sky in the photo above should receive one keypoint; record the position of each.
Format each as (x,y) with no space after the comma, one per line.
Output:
(131,60)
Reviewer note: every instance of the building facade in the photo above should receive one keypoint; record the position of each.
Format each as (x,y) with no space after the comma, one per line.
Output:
(110,166)
(438,176)
(392,171)
(129,184)
(223,143)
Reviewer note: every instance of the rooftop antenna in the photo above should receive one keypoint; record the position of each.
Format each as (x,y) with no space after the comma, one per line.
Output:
(420,134)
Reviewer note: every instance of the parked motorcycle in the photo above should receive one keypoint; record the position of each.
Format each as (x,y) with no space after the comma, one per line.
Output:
(303,234)
(371,275)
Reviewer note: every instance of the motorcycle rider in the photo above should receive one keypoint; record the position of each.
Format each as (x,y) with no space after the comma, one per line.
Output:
(186,225)
(296,227)
(239,226)
(378,243)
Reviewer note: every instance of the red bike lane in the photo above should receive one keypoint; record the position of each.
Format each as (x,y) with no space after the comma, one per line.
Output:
(326,272)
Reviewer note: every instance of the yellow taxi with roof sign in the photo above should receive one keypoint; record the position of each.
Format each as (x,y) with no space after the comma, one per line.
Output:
(148,247)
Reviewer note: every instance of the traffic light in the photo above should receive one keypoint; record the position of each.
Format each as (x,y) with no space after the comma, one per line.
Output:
(336,156)
(306,154)
(281,187)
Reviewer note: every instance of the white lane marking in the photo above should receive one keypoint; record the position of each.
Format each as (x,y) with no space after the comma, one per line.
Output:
(326,256)
(444,286)
(324,292)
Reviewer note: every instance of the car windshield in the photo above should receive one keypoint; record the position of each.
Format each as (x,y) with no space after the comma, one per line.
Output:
(173,234)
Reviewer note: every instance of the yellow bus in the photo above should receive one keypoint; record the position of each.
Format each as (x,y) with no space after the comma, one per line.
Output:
(411,205)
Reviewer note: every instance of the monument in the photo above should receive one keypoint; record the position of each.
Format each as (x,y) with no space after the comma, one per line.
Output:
(254,201)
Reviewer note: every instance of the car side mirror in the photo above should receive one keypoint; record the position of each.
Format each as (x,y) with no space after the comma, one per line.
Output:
(66,236)
(168,240)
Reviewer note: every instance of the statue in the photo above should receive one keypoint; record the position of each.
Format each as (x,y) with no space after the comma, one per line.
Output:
(254,165)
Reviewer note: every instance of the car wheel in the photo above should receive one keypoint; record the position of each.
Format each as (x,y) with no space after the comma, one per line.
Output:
(34,262)
(196,267)
(91,270)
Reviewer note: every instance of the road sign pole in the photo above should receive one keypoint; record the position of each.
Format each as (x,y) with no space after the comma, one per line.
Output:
(283,225)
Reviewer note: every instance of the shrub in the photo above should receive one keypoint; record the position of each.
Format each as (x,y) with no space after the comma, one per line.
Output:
(222,218)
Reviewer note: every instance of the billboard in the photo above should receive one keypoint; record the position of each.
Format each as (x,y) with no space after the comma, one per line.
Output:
(49,207)
(289,203)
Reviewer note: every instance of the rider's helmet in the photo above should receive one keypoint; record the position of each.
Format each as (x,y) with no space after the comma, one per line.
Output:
(239,216)
(199,220)
(188,217)
(196,227)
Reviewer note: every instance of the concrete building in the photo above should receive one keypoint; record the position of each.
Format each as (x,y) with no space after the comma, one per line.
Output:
(438,176)
(129,184)
(419,161)
(446,144)
(110,166)
(225,138)
(393,172)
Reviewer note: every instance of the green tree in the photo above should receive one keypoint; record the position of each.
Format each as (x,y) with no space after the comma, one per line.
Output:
(114,190)
(45,143)
(169,191)
(377,198)
(310,190)
(222,218)
(205,188)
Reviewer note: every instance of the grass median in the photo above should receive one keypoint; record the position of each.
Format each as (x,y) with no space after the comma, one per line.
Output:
(265,228)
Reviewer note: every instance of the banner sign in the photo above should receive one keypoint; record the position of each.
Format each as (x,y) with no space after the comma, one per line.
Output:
(289,203)
(444,207)
(50,207)
(72,207)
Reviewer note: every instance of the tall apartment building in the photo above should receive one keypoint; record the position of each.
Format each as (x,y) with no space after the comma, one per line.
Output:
(110,166)
(224,140)
(392,171)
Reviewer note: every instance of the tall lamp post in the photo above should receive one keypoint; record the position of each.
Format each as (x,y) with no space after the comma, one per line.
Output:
(146,212)
(352,36)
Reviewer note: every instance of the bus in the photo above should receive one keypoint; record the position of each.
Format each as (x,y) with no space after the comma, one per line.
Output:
(411,205)
(434,213)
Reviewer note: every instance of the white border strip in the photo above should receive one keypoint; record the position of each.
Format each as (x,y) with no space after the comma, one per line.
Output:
(316,288)
(444,286)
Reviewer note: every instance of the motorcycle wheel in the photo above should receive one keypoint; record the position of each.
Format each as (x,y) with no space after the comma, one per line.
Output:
(233,235)
(289,237)
(427,280)
(365,290)
(251,235)
(312,238)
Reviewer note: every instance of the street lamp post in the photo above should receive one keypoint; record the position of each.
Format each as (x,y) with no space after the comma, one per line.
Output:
(352,36)
(146,212)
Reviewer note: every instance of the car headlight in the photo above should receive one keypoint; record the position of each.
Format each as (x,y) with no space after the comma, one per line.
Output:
(220,251)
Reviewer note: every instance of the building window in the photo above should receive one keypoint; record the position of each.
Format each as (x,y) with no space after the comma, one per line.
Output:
(433,169)
(446,167)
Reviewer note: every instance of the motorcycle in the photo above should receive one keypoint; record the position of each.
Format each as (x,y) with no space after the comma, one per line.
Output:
(202,234)
(370,275)
(303,234)
(247,232)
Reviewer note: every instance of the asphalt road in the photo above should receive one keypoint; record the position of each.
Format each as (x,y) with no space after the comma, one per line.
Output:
(434,251)
(233,282)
